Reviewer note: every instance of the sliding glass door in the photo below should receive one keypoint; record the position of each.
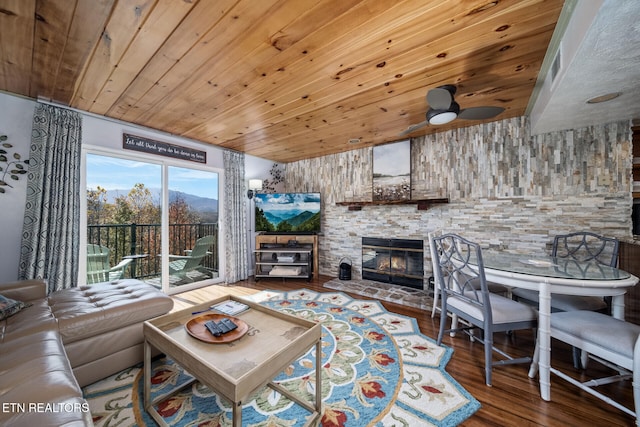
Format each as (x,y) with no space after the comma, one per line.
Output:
(193,226)
(151,221)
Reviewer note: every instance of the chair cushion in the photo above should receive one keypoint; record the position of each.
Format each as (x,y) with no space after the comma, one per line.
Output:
(497,288)
(503,310)
(599,329)
(561,302)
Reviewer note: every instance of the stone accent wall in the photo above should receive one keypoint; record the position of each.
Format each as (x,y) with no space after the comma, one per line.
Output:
(507,189)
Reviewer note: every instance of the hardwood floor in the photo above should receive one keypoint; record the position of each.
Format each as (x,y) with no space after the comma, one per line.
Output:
(513,400)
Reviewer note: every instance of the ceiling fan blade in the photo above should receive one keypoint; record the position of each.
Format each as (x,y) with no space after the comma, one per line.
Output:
(414,128)
(479,113)
(439,98)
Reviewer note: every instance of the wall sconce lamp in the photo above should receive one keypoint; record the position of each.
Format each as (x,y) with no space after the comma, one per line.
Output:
(254,186)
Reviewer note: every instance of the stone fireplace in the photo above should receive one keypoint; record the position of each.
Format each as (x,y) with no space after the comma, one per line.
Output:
(395,261)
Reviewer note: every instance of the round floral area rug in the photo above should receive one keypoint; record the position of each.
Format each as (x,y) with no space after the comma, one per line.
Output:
(378,370)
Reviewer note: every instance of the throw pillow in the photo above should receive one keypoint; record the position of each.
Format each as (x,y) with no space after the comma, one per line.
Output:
(9,307)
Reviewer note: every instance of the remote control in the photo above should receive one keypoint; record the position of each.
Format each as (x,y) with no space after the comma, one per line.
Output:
(213,328)
(227,325)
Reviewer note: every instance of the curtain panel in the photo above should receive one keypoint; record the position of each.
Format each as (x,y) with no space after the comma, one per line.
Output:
(235,218)
(50,233)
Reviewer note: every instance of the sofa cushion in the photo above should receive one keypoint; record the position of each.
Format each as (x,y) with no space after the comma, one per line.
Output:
(101,325)
(9,307)
(36,378)
(88,311)
(37,317)
(25,290)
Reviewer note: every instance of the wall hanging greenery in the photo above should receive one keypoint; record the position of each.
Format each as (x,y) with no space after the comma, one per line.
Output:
(14,167)
(277,176)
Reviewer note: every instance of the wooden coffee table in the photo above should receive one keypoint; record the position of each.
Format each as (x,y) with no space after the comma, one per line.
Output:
(234,370)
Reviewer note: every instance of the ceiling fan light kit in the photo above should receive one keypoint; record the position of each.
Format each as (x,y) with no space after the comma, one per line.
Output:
(441,117)
(444,109)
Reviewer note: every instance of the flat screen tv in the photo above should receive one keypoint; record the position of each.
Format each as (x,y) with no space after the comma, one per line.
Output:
(288,212)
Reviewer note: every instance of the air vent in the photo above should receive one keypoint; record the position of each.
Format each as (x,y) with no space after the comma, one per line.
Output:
(555,67)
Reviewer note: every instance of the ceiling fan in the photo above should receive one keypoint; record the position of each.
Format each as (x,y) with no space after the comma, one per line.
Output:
(443,109)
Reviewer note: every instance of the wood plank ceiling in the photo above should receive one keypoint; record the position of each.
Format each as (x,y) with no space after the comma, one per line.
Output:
(279,79)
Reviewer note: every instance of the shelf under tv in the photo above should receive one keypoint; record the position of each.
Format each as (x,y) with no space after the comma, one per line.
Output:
(282,242)
(422,204)
(298,233)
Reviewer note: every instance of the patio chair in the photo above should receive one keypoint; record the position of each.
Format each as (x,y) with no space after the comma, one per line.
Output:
(613,342)
(99,268)
(465,294)
(580,246)
(180,265)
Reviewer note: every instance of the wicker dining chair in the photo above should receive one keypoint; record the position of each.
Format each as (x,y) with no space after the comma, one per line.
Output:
(493,287)
(580,246)
(465,294)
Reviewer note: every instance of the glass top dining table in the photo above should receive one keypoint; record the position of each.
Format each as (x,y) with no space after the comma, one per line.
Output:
(549,276)
(546,266)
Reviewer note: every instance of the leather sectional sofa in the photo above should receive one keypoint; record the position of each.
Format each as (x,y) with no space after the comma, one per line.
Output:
(64,341)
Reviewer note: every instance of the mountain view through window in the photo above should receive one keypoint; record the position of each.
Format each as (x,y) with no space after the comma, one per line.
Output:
(124,217)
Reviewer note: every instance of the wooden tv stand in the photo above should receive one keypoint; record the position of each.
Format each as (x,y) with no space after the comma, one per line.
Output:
(284,239)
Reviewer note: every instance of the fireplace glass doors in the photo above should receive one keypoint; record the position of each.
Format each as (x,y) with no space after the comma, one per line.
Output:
(396,261)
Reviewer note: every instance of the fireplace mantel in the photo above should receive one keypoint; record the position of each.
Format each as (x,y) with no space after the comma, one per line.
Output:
(422,204)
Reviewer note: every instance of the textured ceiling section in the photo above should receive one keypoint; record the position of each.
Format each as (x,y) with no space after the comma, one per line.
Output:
(600,55)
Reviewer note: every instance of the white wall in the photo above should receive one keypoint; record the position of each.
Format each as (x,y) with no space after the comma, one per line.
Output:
(16,121)
(105,133)
(255,168)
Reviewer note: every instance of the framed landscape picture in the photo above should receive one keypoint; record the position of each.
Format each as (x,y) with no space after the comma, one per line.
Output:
(392,171)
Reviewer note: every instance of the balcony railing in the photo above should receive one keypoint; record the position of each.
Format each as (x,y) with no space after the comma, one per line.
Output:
(145,239)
